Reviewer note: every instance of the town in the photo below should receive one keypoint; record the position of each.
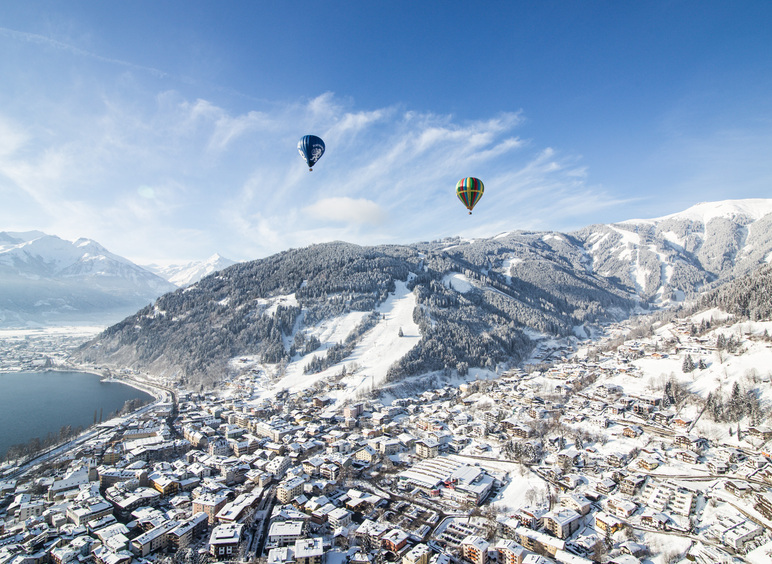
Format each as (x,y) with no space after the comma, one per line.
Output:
(602,455)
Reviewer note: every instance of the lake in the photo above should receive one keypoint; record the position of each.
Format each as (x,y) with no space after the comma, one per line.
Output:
(34,404)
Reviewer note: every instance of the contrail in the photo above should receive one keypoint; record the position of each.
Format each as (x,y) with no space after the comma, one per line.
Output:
(43,40)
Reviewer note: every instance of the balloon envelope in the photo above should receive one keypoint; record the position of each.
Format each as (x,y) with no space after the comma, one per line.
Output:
(311,148)
(469,190)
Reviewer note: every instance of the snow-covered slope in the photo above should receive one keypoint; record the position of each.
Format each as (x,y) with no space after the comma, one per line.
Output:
(183,275)
(752,208)
(665,259)
(47,280)
(370,360)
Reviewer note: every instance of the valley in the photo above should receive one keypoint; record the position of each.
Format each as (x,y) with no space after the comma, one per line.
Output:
(611,450)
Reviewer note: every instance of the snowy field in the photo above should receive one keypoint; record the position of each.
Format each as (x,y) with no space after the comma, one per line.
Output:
(74,331)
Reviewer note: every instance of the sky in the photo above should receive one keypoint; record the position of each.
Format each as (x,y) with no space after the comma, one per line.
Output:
(166,130)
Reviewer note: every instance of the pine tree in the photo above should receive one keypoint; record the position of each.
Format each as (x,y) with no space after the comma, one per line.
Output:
(688,364)
(735,403)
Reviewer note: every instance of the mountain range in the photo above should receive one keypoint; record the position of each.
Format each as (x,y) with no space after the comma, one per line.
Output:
(483,303)
(45,280)
(183,275)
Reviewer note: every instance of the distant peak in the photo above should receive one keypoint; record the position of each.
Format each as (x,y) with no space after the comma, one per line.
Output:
(752,208)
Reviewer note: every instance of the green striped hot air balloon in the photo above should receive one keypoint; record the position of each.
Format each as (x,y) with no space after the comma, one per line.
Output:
(469,190)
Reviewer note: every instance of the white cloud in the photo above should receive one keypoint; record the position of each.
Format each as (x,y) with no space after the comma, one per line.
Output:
(133,168)
(347,210)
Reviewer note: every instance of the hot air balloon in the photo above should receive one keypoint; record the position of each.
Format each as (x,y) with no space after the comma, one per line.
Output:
(469,190)
(311,148)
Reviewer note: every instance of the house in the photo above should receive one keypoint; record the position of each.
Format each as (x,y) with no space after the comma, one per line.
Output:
(395,540)
(183,535)
(632,431)
(655,520)
(224,541)
(631,484)
(569,457)
(599,421)
(606,486)
(716,466)
(240,509)
(330,471)
(764,504)
(339,517)
(761,432)
(577,502)
(622,508)
(367,454)
(606,522)
(529,517)
(687,456)
(739,488)
(648,463)
(536,541)
(616,459)
(691,442)
(742,533)
(562,523)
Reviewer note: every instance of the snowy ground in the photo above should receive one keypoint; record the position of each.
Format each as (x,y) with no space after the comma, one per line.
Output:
(367,365)
(459,282)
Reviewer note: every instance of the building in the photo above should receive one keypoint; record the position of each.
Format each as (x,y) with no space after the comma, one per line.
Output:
(538,542)
(510,552)
(309,551)
(289,489)
(475,549)
(240,509)
(339,517)
(210,504)
(224,540)
(395,540)
(186,531)
(427,449)
(154,539)
(419,554)
(562,523)
(285,533)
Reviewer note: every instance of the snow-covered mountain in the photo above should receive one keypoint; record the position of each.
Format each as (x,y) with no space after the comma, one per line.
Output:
(666,259)
(480,303)
(184,275)
(47,280)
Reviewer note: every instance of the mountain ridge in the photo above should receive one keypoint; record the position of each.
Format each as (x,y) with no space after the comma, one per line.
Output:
(182,275)
(517,286)
(47,280)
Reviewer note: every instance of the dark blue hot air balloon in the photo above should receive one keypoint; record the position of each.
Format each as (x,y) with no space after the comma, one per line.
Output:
(311,148)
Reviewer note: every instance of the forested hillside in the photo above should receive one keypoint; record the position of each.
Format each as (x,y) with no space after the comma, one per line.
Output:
(478,303)
(748,297)
(260,307)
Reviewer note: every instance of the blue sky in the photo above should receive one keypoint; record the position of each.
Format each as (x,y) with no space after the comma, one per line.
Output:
(166,130)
